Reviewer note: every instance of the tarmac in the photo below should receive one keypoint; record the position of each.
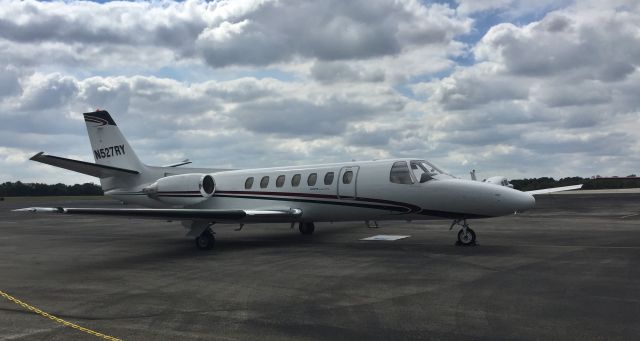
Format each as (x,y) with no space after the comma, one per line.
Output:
(567,270)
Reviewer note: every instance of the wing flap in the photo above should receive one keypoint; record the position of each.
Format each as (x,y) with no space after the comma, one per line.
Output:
(217,215)
(88,168)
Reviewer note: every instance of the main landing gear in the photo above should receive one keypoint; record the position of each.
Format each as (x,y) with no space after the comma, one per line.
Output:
(466,236)
(206,240)
(306,228)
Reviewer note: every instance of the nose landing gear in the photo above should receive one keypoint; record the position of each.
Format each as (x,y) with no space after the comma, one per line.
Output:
(466,236)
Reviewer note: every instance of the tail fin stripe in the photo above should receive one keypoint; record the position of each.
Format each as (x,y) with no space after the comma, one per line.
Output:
(96,120)
(101,116)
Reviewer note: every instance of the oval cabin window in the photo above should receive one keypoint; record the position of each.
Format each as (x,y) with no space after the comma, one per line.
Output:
(264,182)
(328,178)
(295,180)
(249,183)
(311,180)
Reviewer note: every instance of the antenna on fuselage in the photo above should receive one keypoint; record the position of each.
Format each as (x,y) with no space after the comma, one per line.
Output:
(473,175)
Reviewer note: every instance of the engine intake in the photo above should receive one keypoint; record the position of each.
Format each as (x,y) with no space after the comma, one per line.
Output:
(183,189)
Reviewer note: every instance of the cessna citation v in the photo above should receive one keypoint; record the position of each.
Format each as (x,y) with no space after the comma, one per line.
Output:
(398,189)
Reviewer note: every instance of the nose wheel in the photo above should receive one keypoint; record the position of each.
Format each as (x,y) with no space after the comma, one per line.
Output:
(466,236)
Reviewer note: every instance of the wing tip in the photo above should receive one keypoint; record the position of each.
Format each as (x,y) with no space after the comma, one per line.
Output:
(40,209)
(36,157)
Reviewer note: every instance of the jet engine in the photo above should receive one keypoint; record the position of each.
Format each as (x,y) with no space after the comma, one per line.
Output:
(498,180)
(183,189)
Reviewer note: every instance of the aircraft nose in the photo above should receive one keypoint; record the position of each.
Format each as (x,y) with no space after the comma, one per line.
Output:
(523,201)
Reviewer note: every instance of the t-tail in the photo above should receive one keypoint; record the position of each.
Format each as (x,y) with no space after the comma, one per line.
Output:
(116,164)
(109,146)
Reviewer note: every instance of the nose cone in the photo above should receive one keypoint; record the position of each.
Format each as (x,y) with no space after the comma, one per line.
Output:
(475,198)
(523,201)
(511,200)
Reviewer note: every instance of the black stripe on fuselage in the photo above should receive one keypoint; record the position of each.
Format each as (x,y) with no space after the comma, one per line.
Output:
(380,204)
(339,203)
(408,207)
(308,197)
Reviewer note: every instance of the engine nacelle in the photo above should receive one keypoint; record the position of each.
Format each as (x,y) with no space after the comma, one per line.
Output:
(183,189)
(498,180)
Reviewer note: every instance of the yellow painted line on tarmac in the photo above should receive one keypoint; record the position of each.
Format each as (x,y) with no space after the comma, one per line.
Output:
(57,319)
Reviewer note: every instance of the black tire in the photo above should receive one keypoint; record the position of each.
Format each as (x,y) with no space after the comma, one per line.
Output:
(205,241)
(306,228)
(466,239)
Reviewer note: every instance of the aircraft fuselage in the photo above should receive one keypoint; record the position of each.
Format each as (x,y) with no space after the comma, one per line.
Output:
(353,191)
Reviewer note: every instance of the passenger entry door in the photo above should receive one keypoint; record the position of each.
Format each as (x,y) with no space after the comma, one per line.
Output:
(347,182)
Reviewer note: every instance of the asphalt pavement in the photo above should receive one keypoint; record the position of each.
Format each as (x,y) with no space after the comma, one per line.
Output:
(569,269)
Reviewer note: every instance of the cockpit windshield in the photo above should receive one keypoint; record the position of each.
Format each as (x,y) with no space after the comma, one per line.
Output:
(424,171)
(415,171)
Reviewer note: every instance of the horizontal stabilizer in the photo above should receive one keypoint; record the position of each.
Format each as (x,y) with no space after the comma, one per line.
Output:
(218,215)
(88,168)
(178,164)
(555,189)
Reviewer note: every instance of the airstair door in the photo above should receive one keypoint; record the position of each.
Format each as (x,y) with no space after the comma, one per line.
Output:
(347,182)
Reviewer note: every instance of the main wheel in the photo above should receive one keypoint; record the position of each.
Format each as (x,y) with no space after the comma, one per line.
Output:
(206,241)
(466,237)
(306,228)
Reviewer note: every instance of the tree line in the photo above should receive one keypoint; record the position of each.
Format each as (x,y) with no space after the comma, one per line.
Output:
(588,183)
(20,189)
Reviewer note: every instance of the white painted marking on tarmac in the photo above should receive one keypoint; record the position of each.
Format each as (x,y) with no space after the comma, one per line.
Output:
(33,332)
(386,237)
(630,215)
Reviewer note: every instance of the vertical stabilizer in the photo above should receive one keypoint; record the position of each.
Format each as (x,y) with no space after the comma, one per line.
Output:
(109,146)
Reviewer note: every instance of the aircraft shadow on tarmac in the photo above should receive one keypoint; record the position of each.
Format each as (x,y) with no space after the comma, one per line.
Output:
(163,250)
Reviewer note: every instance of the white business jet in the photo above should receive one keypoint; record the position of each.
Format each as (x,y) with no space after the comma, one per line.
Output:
(397,189)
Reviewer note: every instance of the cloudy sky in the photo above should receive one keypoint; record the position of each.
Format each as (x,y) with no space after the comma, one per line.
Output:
(508,87)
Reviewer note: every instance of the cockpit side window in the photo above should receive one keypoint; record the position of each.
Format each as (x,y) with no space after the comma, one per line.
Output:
(400,173)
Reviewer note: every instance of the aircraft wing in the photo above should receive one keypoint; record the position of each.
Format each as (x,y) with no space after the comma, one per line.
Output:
(213,215)
(99,171)
(555,189)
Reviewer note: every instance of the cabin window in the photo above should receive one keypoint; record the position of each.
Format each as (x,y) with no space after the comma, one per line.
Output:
(400,173)
(328,178)
(264,182)
(280,181)
(311,180)
(295,181)
(347,177)
(249,183)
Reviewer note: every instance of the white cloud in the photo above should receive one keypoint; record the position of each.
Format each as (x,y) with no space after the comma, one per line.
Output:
(265,83)
(48,92)
(9,82)
(602,46)
(254,33)
(558,86)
